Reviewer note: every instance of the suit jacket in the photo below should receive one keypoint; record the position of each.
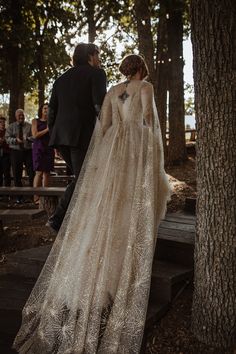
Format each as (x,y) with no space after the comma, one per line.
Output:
(76,98)
(12,132)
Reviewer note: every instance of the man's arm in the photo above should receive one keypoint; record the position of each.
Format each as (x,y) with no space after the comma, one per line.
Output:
(99,88)
(52,109)
(9,136)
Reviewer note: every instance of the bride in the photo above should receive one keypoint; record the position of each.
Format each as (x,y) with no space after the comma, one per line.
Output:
(92,294)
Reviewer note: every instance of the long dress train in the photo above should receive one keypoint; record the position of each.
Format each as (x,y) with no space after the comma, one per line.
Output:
(92,294)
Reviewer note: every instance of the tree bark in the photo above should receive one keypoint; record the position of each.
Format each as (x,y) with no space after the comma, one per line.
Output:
(14,57)
(145,39)
(176,149)
(41,75)
(90,5)
(21,100)
(214,48)
(14,82)
(161,71)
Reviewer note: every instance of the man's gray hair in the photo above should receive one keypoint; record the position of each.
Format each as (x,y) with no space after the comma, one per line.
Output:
(20,110)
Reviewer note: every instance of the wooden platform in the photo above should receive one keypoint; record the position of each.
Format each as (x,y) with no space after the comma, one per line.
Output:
(172,270)
(42,191)
(20,214)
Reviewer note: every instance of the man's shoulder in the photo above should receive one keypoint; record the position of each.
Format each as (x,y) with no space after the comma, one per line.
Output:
(98,71)
(68,72)
(12,125)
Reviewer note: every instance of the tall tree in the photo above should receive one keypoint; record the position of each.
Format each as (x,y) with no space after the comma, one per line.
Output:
(214,48)
(34,35)
(165,60)
(162,70)
(96,16)
(177,149)
(12,34)
(146,46)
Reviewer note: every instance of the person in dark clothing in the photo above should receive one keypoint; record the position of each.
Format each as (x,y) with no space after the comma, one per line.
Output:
(5,161)
(19,138)
(76,99)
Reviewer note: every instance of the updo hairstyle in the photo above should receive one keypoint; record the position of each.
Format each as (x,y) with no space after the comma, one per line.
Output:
(131,64)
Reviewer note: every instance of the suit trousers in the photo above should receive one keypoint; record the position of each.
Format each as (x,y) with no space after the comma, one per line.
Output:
(19,159)
(74,158)
(5,169)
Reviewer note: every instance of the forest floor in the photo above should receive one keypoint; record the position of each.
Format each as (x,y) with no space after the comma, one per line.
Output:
(172,335)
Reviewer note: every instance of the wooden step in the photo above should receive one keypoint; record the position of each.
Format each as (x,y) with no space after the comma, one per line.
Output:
(27,263)
(155,311)
(14,291)
(167,280)
(176,238)
(20,214)
(6,344)
(178,228)
(190,205)
(42,191)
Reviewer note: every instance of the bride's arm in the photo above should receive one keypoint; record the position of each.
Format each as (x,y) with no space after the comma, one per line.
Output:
(106,112)
(148,104)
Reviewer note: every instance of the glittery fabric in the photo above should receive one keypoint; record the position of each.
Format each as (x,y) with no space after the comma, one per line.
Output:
(92,294)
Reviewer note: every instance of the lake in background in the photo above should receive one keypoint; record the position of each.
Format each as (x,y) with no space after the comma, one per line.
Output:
(190,120)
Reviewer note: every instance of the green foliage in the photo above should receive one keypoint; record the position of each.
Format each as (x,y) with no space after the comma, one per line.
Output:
(46,29)
(189,99)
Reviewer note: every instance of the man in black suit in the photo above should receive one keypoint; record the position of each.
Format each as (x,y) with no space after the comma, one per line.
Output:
(75,102)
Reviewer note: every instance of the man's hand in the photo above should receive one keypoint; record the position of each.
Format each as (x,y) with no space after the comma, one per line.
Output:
(19,141)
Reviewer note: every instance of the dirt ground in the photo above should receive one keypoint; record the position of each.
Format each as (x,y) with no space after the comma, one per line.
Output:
(172,335)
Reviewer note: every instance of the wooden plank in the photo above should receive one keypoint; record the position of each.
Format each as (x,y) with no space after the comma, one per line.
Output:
(176,236)
(42,191)
(180,219)
(177,226)
(170,272)
(182,215)
(12,214)
(33,254)
(14,291)
(52,177)
(155,312)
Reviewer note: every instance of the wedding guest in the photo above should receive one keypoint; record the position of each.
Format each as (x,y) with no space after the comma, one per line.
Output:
(76,99)
(43,155)
(19,138)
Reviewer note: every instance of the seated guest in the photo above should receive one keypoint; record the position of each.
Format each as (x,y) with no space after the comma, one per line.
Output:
(19,138)
(5,162)
(43,155)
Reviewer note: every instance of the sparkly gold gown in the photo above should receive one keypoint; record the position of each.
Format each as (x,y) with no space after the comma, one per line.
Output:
(92,294)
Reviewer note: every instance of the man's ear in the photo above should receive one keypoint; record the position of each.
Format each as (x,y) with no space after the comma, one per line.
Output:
(90,59)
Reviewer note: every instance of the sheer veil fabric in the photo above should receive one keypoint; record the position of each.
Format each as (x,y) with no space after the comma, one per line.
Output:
(92,294)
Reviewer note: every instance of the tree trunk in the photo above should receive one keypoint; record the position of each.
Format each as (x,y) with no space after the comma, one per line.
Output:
(145,40)
(21,99)
(161,71)
(14,57)
(214,48)
(14,82)
(41,75)
(90,5)
(177,149)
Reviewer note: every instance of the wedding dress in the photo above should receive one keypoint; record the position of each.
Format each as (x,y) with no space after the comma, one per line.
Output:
(92,294)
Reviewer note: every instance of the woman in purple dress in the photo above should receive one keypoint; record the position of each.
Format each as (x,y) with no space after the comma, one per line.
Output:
(43,155)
